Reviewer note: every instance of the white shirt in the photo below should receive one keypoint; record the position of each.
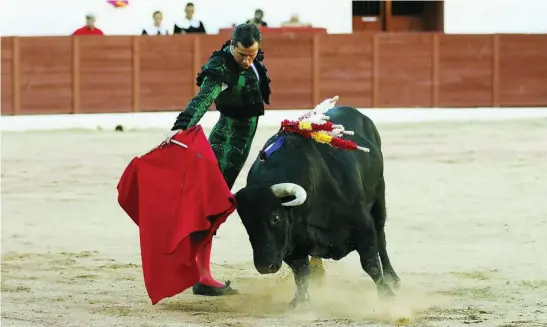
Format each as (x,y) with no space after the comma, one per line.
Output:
(153,30)
(186,23)
(256,71)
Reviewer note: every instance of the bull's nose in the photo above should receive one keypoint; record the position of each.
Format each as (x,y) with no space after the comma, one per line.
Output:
(267,269)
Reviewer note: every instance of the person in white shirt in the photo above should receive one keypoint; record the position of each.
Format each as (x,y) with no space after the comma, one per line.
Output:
(189,24)
(157,28)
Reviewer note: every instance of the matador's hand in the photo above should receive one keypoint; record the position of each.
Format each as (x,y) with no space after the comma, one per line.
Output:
(169,138)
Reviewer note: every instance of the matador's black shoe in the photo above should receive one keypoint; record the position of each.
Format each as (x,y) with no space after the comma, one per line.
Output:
(201,289)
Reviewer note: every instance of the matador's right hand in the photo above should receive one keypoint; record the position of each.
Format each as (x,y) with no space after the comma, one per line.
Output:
(171,134)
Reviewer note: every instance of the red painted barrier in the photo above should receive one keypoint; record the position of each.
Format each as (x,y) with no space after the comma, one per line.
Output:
(46,75)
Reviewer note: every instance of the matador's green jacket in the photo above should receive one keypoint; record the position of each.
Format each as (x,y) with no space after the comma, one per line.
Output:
(237,93)
(239,96)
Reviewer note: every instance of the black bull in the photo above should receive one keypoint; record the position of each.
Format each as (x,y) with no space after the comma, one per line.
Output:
(309,199)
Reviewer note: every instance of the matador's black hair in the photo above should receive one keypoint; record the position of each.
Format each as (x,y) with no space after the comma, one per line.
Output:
(246,34)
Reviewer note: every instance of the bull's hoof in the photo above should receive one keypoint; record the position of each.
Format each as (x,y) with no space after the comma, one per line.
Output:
(394,281)
(386,294)
(300,302)
(385,291)
(299,305)
(201,289)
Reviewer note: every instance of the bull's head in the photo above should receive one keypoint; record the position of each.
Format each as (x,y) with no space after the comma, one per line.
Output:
(265,212)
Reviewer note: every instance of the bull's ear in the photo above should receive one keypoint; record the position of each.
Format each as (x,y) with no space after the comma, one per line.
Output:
(241,195)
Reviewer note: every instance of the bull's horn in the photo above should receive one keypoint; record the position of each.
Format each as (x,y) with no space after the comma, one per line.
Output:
(287,189)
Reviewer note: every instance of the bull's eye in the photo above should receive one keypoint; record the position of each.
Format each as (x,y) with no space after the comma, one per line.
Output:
(275,219)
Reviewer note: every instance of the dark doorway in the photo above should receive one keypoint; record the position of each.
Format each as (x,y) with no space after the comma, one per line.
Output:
(368,15)
(393,16)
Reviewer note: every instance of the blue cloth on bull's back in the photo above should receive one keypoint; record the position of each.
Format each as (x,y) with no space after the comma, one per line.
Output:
(273,147)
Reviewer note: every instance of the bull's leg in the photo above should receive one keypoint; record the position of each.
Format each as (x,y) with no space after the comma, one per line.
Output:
(367,246)
(378,212)
(300,266)
(317,269)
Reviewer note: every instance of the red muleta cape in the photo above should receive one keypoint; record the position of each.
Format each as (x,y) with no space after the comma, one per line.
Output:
(178,198)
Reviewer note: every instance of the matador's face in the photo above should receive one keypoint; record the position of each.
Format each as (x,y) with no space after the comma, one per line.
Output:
(245,56)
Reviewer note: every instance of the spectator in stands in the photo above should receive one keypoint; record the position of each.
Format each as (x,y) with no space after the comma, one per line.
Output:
(89,28)
(189,24)
(258,19)
(295,22)
(156,28)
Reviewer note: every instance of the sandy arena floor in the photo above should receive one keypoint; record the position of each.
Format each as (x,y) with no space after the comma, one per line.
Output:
(467,233)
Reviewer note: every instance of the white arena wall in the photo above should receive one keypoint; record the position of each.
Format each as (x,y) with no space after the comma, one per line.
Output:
(272,118)
(62,17)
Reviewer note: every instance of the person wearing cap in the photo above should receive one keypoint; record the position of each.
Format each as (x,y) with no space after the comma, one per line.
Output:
(89,28)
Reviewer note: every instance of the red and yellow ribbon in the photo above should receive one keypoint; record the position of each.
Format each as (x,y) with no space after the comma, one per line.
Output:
(318,133)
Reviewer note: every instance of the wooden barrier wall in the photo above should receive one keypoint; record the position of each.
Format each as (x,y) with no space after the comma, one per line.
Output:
(46,75)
